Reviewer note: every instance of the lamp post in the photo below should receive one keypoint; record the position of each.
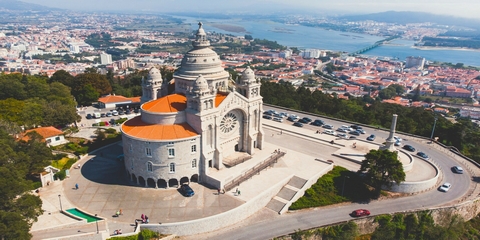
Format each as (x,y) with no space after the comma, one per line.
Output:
(60,200)
(96,222)
(433,129)
(344,180)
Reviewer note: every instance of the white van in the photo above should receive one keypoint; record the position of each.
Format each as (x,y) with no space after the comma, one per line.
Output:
(96,115)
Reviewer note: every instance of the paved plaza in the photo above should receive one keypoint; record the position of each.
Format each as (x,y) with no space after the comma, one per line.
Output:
(104,187)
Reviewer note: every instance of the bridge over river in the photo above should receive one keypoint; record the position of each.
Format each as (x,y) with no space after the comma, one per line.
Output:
(376,44)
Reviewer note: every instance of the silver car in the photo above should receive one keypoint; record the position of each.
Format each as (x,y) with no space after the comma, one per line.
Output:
(445,187)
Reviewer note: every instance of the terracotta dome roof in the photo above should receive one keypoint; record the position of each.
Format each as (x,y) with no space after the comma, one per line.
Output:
(169,103)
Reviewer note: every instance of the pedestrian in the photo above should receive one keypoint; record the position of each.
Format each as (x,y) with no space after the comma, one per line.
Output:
(121,212)
(76,186)
(224,191)
(218,191)
(281,132)
(238,193)
(143,217)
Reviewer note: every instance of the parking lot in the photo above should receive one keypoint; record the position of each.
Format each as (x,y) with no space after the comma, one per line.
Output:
(103,115)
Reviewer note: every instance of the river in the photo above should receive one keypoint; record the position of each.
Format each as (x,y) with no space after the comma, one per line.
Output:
(310,37)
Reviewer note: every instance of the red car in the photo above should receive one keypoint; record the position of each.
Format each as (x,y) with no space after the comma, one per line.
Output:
(360,213)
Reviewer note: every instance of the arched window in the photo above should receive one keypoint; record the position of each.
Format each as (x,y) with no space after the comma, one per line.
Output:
(194,163)
(172,167)
(149,167)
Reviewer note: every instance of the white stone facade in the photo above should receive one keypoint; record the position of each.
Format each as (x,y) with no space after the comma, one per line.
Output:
(208,117)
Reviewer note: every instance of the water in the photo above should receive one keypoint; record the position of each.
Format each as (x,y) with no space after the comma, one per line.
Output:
(83,215)
(310,37)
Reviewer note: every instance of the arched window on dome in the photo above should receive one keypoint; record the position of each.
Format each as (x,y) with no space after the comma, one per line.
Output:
(149,167)
(172,167)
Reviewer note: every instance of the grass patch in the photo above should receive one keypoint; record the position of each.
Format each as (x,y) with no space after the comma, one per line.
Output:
(145,234)
(328,190)
(60,163)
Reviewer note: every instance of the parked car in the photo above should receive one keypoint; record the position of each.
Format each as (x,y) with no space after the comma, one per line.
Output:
(302,120)
(89,116)
(327,126)
(397,139)
(409,148)
(298,124)
(277,119)
(114,113)
(307,119)
(361,131)
(294,116)
(371,137)
(267,117)
(112,121)
(356,127)
(291,119)
(108,114)
(317,122)
(342,135)
(343,130)
(360,213)
(187,191)
(136,110)
(445,187)
(330,132)
(457,169)
(422,155)
(356,133)
(121,112)
(103,115)
(128,111)
(398,144)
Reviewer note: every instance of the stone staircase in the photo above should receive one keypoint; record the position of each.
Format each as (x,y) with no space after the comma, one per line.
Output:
(286,194)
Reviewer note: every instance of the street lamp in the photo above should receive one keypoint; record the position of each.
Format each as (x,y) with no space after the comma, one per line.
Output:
(344,180)
(60,200)
(96,221)
(433,129)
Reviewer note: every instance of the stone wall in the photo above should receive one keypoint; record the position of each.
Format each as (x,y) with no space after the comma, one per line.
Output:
(416,187)
(220,220)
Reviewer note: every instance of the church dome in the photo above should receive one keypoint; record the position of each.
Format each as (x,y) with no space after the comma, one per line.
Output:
(200,85)
(154,75)
(201,60)
(248,76)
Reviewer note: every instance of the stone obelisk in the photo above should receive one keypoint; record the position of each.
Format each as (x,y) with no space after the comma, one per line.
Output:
(390,142)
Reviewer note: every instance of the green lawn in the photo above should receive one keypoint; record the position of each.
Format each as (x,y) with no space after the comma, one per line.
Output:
(328,190)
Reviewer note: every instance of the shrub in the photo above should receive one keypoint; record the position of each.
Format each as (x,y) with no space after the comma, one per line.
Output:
(60,175)
(36,185)
(111,131)
(102,124)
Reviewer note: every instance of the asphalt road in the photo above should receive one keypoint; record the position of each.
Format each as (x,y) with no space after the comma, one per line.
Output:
(290,222)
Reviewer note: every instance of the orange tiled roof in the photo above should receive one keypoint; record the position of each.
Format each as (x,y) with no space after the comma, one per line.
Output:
(45,132)
(135,127)
(135,99)
(170,103)
(113,99)
(219,99)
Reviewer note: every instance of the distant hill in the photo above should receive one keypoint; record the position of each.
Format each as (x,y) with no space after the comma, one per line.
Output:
(14,5)
(415,17)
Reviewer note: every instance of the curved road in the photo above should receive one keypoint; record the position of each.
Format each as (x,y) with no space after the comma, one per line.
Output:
(290,222)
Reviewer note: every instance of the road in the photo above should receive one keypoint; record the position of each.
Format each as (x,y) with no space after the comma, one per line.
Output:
(290,222)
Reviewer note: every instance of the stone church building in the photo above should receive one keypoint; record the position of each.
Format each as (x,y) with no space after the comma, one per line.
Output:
(182,134)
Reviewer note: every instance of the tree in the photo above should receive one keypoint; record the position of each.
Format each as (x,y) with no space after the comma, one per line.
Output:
(62,76)
(382,168)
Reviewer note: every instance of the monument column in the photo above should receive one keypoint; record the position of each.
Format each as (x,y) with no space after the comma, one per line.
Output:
(390,142)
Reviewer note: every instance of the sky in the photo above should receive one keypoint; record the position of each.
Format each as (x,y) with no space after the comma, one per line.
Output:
(459,8)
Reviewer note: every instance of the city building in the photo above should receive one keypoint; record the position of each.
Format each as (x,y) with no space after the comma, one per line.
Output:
(191,124)
(105,58)
(50,135)
(415,62)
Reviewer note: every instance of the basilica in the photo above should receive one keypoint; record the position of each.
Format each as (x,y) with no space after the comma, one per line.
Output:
(188,126)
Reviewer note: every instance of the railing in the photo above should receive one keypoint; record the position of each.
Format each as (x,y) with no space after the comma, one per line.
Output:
(237,161)
(255,170)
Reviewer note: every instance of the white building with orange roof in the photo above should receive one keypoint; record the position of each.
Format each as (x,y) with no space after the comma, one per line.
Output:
(189,126)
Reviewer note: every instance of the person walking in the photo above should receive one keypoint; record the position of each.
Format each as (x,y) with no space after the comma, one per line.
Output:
(76,186)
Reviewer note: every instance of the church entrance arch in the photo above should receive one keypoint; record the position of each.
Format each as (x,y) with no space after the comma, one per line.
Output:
(194,178)
(184,180)
(151,183)
(134,179)
(141,181)
(162,183)
(173,182)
